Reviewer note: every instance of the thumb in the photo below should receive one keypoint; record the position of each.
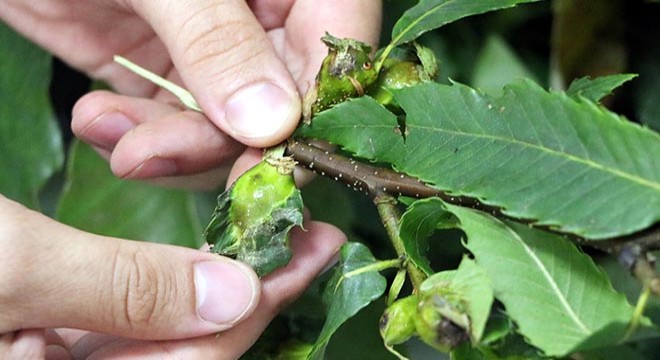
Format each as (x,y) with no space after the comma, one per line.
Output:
(226,59)
(52,275)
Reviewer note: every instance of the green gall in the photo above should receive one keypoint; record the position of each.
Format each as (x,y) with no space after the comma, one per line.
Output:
(414,67)
(463,296)
(397,324)
(346,72)
(252,219)
(440,323)
(395,74)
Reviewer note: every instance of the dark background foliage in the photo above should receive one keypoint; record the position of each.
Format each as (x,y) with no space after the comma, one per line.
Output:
(486,51)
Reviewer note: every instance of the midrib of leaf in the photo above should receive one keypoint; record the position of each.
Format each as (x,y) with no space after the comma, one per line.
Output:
(570,157)
(377,266)
(417,21)
(553,285)
(395,42)
(553,152)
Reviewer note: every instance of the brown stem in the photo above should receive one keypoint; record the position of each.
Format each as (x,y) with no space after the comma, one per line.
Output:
(648,240)
(391,217)
(377,182)
(373,180)
(369,179)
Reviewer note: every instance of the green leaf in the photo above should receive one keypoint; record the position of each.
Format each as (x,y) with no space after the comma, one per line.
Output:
(538,155)
(294,350)
(362,326)
(555,293)
(30,141)
(418,223)
(467,352)
(597,88)
(95,200)
(431,14)
(359,125)
(471,287)
(348,291)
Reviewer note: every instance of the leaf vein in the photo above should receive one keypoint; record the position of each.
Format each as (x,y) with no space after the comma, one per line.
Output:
(555,289)
(571,157)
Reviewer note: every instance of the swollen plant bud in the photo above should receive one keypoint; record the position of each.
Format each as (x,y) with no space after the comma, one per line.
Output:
(416,67)
(441,323)
(252,219)
(396,74)
(347,71)
(397,324)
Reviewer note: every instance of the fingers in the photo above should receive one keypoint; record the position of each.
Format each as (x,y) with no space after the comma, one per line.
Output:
(226,59)
(24,344)
(313,250)
(271,14)
(148,139)
(140,290)
(247,160)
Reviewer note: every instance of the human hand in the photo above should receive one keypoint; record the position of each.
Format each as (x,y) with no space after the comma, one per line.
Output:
(246,62)
(135,299)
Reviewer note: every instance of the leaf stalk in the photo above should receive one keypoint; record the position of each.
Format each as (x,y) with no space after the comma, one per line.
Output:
(639,312)
(391,218)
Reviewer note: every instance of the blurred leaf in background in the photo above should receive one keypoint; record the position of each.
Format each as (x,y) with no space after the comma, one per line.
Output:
(498,65)
(642,37)
(30,141)
(95,200)
(587,39)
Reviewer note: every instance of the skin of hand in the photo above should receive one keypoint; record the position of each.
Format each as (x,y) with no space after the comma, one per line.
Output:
(246,63)
(137,300)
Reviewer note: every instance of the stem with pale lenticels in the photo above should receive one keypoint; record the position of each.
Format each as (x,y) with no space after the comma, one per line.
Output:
(376,181)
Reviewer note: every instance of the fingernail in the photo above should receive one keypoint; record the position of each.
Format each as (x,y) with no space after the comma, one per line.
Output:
(259,110)
(153,167)
(331,264)
(106,130)
(226,291)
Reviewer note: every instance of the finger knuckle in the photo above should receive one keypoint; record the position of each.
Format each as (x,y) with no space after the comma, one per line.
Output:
(205,41)
(141,290)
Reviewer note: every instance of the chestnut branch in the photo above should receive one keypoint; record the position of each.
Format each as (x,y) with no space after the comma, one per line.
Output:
(375,181)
